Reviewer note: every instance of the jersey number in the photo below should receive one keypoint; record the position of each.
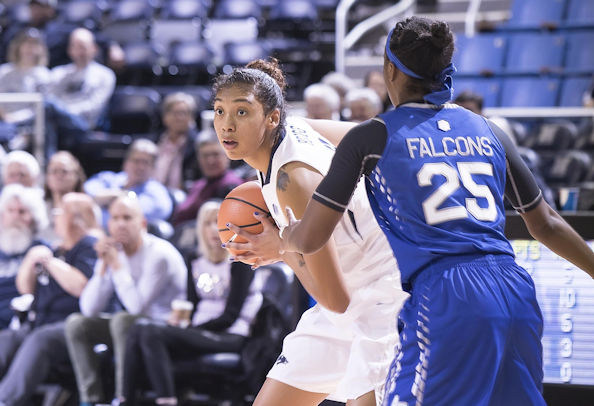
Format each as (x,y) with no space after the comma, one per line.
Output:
(433,215)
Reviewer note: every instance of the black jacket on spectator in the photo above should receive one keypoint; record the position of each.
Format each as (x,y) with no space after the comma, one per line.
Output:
(52,303)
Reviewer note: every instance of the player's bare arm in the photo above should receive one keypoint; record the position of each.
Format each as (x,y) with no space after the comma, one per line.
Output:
(548,227)
(333,131)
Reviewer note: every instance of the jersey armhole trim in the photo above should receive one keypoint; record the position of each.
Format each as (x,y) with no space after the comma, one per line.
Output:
(532,205)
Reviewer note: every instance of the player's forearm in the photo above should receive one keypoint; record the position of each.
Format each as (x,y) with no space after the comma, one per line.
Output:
(564,241)
(325,293)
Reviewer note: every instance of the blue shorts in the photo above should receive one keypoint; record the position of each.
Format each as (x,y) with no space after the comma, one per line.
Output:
(472,337)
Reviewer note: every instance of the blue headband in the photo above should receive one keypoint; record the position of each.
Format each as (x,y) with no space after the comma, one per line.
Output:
(438,97)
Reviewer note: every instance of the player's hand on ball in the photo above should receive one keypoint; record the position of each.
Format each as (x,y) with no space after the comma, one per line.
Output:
(265,246)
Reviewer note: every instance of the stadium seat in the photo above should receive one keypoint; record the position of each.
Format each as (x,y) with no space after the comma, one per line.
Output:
(572,91)
(568,167)
(239,54)
(535,53)
(529,92)
(530,157)
(580,13)
(85,13)
(553,137)
(294,10)
(184,10)
(536,13)
(184,239)
(190,63)
(580,53)
(134,110)
(142,66)
(585,143)
(231,9)
(481,54)
(490,89)
(131,10)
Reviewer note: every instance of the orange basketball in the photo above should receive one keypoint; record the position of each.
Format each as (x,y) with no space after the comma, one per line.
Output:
(238,208)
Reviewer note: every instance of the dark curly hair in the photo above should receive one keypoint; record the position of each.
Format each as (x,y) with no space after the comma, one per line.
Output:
(266,80)
(425,47)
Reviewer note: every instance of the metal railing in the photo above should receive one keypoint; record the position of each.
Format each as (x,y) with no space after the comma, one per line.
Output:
(345,41)
(539,112)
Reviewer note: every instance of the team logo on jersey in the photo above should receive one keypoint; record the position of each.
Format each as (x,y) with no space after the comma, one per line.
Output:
(275,208)
(443,125)
(281,360)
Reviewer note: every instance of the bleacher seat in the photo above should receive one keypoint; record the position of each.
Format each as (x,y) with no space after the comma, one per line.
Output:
(239,54)
(568,167)
(580,13)
(294,10)
(529,92)
(572,91)
(534,53)
(580,53)
(134,110)
(585,143)
(142,66)
(131,10)
(481,54)
(232,9)
(85,13)
(184,10)
(190,63)
(129,21)
(536,13)
(553,137)
(490,89)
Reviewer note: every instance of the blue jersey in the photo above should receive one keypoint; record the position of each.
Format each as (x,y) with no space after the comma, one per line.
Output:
(437,191)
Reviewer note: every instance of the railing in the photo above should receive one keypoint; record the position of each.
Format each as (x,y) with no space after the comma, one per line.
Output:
(539,112)
(39,120)
(470,20)
(345,41)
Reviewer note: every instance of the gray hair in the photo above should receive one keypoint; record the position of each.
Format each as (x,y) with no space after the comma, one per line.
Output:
(323,91)
(178,97)
(143,145)
(339,81)
(207,136)
(31,198)
(365,93)
(24,158)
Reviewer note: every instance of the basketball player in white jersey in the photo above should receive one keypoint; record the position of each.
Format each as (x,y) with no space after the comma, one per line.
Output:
(342,347)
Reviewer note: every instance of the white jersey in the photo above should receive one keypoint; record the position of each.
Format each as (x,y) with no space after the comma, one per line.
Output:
(364,252)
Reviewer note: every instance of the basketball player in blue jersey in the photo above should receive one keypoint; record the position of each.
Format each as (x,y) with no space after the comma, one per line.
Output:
(342,347)
(436,175)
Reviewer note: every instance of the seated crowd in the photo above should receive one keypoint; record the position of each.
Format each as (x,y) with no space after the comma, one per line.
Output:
(78,266)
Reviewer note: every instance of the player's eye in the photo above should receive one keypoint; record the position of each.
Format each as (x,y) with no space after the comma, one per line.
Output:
(241,112)
(218,112)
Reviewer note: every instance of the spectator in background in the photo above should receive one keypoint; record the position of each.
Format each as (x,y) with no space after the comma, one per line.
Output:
(471,101)
(64,175)
(84,86)
(176,162)
(20,167)
(375,80)
(341,83)
(139,164)
(145,272)
(217,179)
(22,216)
(364,104)
(56,279)
(26,72)
(55,34)
(227,297)
(322,102)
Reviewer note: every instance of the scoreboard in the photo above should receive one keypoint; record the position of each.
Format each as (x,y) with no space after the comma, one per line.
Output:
(566,297)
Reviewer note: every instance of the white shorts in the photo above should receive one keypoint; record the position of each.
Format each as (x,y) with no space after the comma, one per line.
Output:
(346,355)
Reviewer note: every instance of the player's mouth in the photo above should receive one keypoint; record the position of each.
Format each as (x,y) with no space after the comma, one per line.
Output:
(229,145)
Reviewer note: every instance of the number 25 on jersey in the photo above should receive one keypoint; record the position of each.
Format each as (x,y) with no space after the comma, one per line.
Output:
(434,215)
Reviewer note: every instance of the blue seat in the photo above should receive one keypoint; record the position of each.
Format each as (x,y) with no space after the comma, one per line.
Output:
(480,54)
(131,10)
(81,12)
(529,92)
(572,91)
(134,110)
(140,55)
(536,13)
(232,9)
(568,167)
(490,89)
(296,10)
(184,10)
(242,53)
(534,53)
(580,53)
(580,13)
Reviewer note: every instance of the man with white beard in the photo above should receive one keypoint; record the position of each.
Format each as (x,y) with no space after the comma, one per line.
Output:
(22,215)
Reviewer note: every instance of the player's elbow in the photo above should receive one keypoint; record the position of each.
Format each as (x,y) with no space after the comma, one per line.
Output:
(339,304)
